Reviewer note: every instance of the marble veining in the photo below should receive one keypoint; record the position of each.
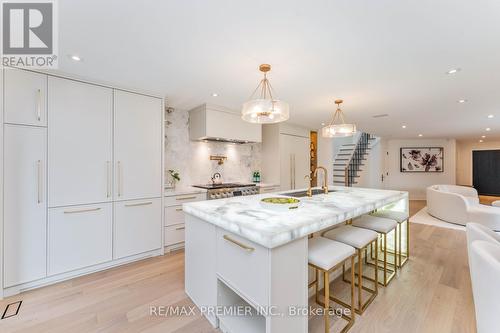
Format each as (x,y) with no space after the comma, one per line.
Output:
(192,158)
(246,217)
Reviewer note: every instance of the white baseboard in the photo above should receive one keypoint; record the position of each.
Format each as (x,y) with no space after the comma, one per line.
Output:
(14,290)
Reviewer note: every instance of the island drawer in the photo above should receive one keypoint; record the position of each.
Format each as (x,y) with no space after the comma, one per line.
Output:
(244,266)
(180,199)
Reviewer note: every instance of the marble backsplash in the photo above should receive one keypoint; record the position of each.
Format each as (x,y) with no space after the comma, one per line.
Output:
(192,158)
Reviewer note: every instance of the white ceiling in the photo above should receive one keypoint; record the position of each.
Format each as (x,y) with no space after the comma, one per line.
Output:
(379,56)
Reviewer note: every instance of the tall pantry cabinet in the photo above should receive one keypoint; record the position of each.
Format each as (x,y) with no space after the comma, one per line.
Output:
(82,178)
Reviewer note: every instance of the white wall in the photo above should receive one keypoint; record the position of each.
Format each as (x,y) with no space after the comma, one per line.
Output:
(464,158)
(416,183)
(191,158)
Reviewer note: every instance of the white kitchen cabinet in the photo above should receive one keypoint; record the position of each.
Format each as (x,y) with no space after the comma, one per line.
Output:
(294,161)
(80,143)
(287,147)
(137,227)
(79,236)
(137,146)
(25,204)
(174,234)
(25,97)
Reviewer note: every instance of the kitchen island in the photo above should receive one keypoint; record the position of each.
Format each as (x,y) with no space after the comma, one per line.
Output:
(246,266)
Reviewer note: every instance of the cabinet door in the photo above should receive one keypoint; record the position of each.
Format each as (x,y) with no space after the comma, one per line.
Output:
(79,236)
(138,227)
(302,159)
(25,205)
(80,143)
(295,159)
(25,97)
(137,146)
(286,162)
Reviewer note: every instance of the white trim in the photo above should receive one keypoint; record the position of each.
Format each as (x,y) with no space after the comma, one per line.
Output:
(79,272)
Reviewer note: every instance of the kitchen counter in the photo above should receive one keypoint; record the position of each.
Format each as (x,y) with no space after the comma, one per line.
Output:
(183,191)
(239,253)
(245,217)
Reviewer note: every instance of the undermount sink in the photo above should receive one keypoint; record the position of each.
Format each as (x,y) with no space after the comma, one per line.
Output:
(300,194)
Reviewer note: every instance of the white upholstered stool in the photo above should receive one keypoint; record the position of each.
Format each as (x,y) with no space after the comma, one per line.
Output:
(325,256)
(400,218)
(496,203)
(382,226)
(360,239)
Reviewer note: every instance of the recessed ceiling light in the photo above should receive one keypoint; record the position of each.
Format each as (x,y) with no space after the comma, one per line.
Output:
(481,141)
(488,129)
(75,57)
(404,126)
(453,71)
(420,135)
(491,116)
(483,136)
(462,101)
(322,124)
(215,94)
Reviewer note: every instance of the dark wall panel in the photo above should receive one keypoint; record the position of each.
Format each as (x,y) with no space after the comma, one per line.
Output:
(486,171)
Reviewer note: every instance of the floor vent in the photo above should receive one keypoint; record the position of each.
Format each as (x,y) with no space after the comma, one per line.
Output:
(12,310)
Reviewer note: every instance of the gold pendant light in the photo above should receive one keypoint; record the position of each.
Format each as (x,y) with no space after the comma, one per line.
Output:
(265,109)
(338,127)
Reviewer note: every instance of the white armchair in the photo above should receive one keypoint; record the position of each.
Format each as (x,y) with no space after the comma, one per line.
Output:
(460,205)
(484,257)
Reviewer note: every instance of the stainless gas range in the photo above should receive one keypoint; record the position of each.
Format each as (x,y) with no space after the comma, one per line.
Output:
(228,190)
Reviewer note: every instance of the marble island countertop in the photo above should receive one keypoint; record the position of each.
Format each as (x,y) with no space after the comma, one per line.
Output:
(246,217)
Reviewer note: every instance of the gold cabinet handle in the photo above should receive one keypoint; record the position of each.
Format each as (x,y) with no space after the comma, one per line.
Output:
(178,209)
(39,180)
(139,204)
(82,210)
(185,198)
(180,228)
(39,105)
(119,176)
(235,242)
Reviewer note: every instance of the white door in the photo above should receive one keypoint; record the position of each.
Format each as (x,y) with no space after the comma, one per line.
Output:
(25,204)
(137,146)
(138,227)
(25,97)
(295,160)
(79,236)
(80,143)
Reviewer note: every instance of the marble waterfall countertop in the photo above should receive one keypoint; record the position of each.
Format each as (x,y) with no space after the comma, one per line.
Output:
(244,216)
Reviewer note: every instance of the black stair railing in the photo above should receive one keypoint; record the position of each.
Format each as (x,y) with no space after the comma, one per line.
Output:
(355,162)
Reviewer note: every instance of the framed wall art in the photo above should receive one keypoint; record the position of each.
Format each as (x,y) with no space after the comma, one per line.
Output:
(422,159)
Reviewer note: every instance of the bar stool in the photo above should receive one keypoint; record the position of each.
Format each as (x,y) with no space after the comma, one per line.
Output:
(360,239)
(383,227)
(326,256)
(400,218)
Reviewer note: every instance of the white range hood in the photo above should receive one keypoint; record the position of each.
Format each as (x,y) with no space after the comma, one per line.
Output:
(216,123)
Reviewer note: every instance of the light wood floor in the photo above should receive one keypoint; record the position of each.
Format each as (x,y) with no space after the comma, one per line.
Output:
(431,294)
(487,199)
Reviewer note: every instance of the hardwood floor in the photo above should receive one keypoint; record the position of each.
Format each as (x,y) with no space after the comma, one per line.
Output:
(487,199)
(432,293)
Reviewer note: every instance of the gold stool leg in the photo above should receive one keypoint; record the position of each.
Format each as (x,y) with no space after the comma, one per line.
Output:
(376,269)
(316,271)
(353,311)
(400,245)
(360,282)
(327,301)
(385,257)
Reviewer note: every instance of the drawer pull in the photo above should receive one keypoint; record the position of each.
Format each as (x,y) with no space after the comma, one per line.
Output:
(139,204)
(82,210)
(180,228)
(178,209)
(185,198)
(243,246)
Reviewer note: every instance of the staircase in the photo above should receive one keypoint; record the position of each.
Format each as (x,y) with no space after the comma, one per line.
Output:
(349,160)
